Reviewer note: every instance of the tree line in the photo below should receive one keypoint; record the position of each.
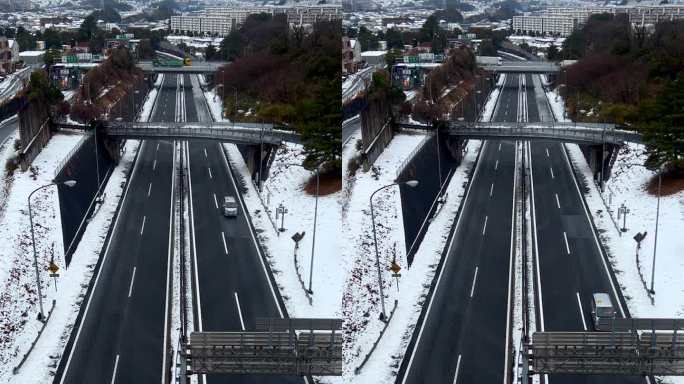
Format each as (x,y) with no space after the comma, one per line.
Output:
(629,76)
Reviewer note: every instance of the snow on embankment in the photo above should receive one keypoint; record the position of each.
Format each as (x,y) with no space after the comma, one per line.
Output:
(628,185)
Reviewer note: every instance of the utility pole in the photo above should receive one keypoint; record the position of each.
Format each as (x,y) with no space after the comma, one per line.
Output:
(313,241)
(655,241)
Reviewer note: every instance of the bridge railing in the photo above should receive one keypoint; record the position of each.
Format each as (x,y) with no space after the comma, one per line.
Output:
(585,132)
(214,131)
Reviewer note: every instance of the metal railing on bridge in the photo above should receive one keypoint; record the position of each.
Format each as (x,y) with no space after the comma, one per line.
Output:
(239,133)
(522,67)
(277,349)
(196,67)
(615,353)
(583,133)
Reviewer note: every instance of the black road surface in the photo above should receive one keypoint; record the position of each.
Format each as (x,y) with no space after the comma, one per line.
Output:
(463,337)
(121,337)
(570,270)
(233,285)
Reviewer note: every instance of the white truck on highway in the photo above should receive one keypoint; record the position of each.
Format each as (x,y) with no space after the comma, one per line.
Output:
(601,308)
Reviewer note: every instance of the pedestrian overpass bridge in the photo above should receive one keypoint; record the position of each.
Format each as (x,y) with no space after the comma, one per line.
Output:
(198,67)
(522,67)
(581,133)
(238,133)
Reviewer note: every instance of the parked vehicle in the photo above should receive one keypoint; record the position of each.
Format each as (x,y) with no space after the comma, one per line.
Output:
(230,208)
(601,308)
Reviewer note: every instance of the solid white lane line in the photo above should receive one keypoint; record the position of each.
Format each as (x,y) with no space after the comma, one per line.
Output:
(142,227)
(551,169)
(579,302)
(205,153)
(225,247)
(557,201)
(149,189)
(154,165)
(472,288)
(215,201)
(116,367)
(491,190)
(210,175)
(484,227)
(194,246)
(496,165)
(458,366)
(130,287)
(547,152)
(567,247)
(237,302)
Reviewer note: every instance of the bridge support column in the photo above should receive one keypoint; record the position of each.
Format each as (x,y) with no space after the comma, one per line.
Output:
(257,161)
(456,147)
(600,158)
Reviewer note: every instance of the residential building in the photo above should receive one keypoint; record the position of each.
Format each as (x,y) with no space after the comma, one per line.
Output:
(351,55)
(220,21)
(374,58)
(5,56)
(546,25)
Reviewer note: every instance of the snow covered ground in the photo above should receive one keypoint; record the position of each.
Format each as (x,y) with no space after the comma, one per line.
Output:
(628,185)
(18,293)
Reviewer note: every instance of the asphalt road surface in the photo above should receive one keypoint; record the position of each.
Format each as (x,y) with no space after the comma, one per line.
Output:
(463,337)
(571,266)
(233,286)
(121,337)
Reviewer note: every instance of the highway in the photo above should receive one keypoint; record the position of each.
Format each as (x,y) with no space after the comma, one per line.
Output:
(230,276)
(464,334)
(121,337)
(571,266)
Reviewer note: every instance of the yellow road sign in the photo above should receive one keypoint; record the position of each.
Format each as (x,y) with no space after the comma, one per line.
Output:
(53,268)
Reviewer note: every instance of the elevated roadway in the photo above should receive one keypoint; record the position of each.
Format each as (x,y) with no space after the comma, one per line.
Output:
(538,67)
(202,67)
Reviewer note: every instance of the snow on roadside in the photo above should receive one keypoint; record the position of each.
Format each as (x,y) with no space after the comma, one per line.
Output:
(362,304)
(628,185)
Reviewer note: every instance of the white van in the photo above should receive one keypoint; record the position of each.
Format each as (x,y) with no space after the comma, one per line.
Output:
(230,208)
(601,308)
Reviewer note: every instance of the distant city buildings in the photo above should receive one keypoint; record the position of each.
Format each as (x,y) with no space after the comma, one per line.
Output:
(219,21)
(561,21)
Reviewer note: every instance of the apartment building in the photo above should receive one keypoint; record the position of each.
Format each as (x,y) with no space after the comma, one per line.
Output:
(547,25)
(220,21)
(638,15)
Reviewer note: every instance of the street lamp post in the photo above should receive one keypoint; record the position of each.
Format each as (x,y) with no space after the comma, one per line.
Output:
(68,183)
(313,240)
(410,183)
(655,241)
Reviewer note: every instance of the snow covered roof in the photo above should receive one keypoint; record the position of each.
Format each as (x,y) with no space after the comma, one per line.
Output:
(373,53)
(31,53)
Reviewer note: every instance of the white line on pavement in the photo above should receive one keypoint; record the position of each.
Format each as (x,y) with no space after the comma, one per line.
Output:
(237,302)
(130,288)
(579,302)
(210,175)
(205,153)
(491,190)
(484,227)
(149,189)
(472,288)
(142,227)
(116,366)
(215,201)
(567,247)
(551,169)
(496,165)
(157,146)
(458,366)
(225,247)
(547,152)
(499,146)
(557,201)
